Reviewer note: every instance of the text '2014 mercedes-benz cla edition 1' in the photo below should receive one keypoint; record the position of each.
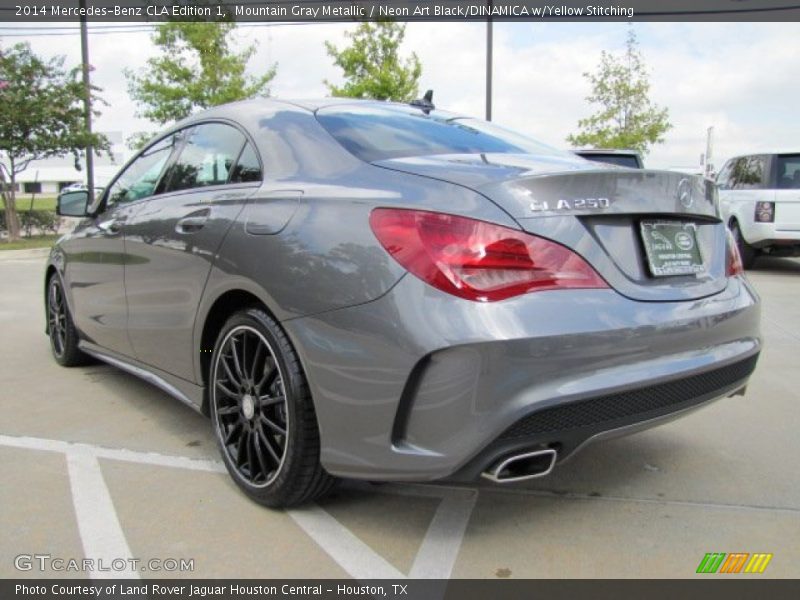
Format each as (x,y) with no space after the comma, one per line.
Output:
(382,291)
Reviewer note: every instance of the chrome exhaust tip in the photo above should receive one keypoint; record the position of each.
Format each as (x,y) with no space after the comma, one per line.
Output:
(521,467)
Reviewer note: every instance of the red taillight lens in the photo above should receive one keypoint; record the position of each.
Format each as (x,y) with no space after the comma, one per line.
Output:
(478,260)
(765,212)
(734,264)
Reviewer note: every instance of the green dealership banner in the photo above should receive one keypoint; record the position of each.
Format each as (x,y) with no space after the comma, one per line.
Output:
(401,10)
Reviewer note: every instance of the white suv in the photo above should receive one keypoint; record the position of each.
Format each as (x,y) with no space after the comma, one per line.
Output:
(759,198)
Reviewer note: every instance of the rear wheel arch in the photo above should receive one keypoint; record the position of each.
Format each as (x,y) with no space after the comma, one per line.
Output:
(224,306)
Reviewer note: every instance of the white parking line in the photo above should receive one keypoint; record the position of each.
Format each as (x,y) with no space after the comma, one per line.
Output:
(437,555)
(353,555)
(102,535)
(121,454)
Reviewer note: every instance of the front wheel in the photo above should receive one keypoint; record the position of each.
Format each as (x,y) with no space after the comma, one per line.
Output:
(746,251)
(63,335)
(263,414)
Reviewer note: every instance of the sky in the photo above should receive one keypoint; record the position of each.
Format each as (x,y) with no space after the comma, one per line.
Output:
(741,78)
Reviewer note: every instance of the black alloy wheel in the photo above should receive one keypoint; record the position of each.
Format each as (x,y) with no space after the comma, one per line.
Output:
(63,335)
(263,414)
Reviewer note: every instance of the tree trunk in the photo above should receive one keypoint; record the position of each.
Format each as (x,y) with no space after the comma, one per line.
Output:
(10,197)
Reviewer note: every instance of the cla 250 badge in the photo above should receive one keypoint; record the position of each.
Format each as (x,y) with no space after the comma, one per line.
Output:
(574,204)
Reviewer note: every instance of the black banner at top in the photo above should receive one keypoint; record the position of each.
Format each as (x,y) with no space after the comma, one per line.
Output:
(400,10)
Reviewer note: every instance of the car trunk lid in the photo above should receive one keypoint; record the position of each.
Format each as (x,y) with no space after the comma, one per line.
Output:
(601,213)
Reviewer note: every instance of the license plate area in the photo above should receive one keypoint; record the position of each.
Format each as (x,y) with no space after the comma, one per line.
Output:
(671,248)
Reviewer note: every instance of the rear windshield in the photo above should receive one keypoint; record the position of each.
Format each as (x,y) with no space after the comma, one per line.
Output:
(378,133)
(789,171)
(622,160)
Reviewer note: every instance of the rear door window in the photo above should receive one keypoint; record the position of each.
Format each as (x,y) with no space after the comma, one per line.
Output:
(206,159)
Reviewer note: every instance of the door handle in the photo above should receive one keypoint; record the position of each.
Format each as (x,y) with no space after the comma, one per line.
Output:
(192,222)
(111,226)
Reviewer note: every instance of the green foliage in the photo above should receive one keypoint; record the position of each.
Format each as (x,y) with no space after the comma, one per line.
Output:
(626,118)
(138,140)
(195,69)
(43,221)
(372,66)
(41,115)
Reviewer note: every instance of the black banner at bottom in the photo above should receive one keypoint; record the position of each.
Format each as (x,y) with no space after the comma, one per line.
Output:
(455,589)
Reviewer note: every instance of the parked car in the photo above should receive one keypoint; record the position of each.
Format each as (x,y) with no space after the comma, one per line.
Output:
(79,187)
(759,196)
(622,158)
(388,292)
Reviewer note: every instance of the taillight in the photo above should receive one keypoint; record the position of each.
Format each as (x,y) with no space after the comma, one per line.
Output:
(734,264)
(478,260)
(765,212)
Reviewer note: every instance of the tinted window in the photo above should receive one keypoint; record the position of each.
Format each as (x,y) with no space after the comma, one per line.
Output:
(788,171)
(247,167)
(724,175)
(379,133)
(748,173)
(206,158)
(140,178)
(622,160)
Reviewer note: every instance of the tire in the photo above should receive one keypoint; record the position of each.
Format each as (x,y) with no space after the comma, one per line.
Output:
(60,327)
(263,415)
(746,251)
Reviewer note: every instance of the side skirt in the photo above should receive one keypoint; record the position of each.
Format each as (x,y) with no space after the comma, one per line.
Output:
(187,392)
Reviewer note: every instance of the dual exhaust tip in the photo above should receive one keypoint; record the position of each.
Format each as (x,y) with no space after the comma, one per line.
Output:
(521,467)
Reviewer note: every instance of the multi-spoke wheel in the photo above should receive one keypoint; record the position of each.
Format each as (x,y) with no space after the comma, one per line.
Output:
(263,415)
(63,335)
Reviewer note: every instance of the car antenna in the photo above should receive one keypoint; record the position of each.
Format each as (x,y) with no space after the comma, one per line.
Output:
(425,103)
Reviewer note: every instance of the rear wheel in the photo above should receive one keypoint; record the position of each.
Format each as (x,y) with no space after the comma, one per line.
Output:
(63,335)
(263,415)
(747,252)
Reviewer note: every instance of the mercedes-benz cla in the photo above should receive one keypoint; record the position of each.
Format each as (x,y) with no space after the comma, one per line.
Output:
(389,292)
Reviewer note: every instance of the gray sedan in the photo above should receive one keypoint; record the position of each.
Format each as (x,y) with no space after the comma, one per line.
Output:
(389,292)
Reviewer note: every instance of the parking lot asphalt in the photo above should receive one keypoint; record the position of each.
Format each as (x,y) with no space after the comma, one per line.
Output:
(96,463)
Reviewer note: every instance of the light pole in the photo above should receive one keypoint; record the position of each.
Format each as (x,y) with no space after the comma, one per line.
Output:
(87,100)
(489,67)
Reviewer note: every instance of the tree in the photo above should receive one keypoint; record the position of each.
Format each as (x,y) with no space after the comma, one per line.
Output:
(627,118)
(42,115)
(195,69)
(372,67)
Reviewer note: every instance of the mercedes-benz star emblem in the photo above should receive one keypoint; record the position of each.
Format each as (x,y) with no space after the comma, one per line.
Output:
(685,193)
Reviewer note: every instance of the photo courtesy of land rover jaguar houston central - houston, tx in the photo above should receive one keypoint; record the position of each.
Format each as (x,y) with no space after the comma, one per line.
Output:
(391,292)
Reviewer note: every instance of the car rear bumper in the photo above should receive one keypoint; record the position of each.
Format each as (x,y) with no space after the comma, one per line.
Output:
(762,235)
(419,385)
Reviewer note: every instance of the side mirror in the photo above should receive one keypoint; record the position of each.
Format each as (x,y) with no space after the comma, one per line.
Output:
(73,204)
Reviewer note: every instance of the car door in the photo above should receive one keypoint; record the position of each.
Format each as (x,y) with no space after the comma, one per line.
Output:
(172,242)
(95,252)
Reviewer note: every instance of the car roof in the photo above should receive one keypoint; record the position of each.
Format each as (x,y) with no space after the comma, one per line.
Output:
(270,104)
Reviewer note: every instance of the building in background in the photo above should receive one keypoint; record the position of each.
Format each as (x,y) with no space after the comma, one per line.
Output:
(48,177)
